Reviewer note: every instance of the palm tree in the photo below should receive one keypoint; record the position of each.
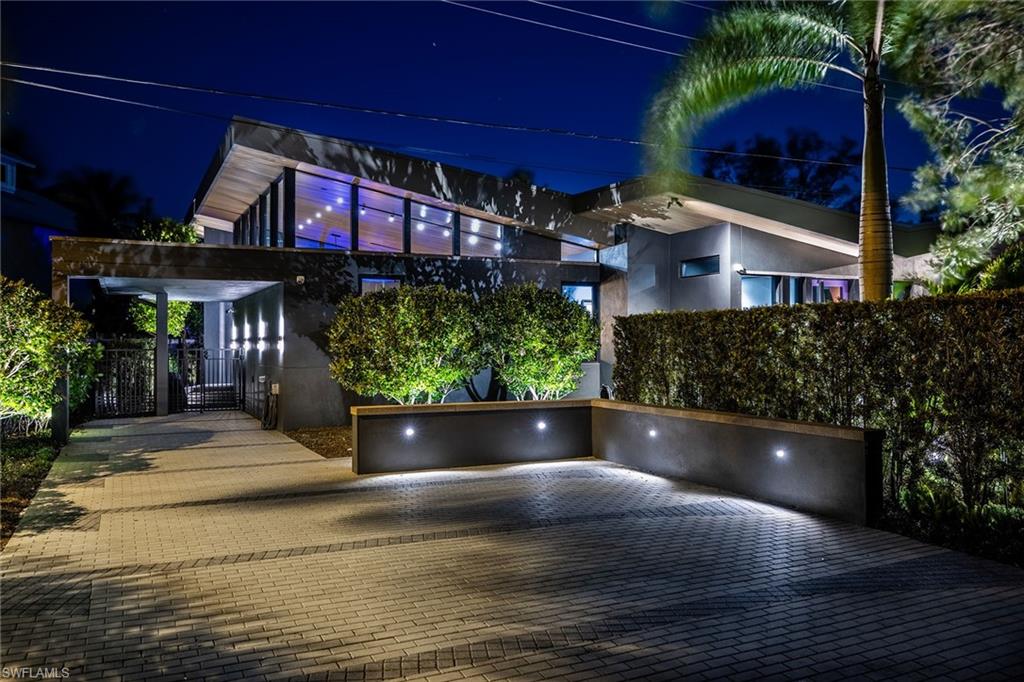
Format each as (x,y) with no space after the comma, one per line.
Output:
(753,49)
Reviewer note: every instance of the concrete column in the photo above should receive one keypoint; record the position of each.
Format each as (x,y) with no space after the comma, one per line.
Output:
(160,377)
(60,414)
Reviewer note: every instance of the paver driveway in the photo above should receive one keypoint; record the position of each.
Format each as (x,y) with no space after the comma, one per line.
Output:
(201,547)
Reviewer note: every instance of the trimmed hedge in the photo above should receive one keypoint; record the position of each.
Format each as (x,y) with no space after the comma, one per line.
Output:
(942,376)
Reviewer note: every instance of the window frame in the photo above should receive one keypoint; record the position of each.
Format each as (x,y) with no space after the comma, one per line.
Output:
(718,266)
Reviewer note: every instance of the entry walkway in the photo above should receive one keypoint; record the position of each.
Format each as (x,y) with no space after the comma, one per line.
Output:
(200,547)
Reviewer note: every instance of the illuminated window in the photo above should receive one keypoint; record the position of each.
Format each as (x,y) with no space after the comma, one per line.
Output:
(371,283)
(698,267)
(380,221)
(321,220)
(480,237)
(578,254)
(580,293)
(431,229)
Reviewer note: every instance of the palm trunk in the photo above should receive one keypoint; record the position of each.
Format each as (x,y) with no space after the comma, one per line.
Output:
(875,220)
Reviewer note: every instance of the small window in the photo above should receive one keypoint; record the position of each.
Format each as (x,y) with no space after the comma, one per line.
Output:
(372,283)
(698,267)
(578,254)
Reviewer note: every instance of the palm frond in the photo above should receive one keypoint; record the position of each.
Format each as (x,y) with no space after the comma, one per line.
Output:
(749,51)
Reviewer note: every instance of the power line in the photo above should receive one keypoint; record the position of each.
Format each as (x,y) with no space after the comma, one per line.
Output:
(354,141)
(617,21)
(367,110)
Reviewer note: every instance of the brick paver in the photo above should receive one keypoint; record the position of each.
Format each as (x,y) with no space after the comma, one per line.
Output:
(200,547)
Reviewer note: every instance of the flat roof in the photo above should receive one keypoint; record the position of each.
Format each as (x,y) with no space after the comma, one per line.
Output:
(253,154)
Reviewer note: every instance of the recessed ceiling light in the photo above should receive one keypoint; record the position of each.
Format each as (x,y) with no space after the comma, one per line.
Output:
(473,239)
(391,218)
(497,246)
(328,208)
(419,226)
(447,233)
(339,200)
(319,214)
(309,221)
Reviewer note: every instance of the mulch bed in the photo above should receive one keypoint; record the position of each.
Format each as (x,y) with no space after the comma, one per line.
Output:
(328,441)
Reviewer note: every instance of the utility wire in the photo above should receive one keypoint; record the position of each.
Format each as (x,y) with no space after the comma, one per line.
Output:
(353,142)
(616,21)
(366,110)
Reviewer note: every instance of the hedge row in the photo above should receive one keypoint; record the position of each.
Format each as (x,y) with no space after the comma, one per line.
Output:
(943,376)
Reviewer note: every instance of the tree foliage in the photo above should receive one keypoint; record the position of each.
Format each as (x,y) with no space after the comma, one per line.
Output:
(409,344)
(976,177)
(143,316)
(41,341)
(832,184)
(179,313)
(165,230)
(536,340)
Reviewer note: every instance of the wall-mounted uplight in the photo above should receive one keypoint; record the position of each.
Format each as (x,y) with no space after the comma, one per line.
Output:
(234,345)
(280,344)
(261,345)
(245,346)
(652,433)
(541,425)
(780,453)
(409,432)
(738,267)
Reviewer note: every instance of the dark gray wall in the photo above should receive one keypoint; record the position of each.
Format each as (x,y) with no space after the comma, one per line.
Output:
(707,292)
(469,438)
(826,474)
(261,368)
(648,271)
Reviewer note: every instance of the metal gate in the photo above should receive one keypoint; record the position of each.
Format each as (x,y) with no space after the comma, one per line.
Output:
(205,379)
(197,379)
(124,385)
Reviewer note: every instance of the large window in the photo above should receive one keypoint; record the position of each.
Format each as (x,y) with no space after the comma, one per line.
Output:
(480,237)
(698,267)
(431,229)
(322,213)
(380,221)
(830,290)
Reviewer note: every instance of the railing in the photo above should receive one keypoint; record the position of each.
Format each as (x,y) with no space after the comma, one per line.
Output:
(125,383)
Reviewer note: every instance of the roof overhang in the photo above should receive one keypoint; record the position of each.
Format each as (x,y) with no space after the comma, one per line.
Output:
(197,290)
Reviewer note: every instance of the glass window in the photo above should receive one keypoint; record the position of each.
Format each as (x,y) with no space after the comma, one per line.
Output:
(370,284)
(322,213)
(697,267)
(380,221)
(830,290)
(580,293)
(577,253)
(756,290)
(480,237)
(431,229)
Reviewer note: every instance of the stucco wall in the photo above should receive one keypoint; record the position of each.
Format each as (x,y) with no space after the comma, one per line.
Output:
(706,292)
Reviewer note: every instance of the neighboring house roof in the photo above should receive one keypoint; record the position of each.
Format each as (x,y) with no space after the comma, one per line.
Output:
(254,152)
(33,209)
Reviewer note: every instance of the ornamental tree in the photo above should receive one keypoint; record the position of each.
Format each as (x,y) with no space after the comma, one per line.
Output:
(41,341)
(410,344)
(536,340)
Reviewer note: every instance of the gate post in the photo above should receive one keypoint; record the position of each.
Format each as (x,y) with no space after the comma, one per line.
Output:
(160,379)
(60,414)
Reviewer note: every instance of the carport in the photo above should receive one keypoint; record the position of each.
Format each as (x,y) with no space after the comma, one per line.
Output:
(160,273)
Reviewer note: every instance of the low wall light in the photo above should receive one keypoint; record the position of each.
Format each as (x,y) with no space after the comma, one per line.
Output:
(409,432)
(260,345)
(652,433)
(245,346)
(780,453)
(280,344)
(234,345)
(541,425)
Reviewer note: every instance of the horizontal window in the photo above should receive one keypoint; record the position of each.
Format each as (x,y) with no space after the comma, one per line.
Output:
(697,267)
(380,221)
(370,284)
(431,229)
(578,254)
(480,237)
(322,213)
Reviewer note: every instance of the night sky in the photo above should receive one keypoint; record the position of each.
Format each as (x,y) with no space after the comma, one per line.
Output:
(426,57)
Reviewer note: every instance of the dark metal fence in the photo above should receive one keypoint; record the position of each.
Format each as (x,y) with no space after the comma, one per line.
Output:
(198,380)
(124,387)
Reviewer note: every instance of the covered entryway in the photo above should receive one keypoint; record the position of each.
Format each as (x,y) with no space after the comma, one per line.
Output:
(162,379)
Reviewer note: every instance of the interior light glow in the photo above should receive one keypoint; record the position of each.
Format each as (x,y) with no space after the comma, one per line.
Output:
(541,425)
(780,453)
(473,239)
(652,433)
(409,432)
(419,226)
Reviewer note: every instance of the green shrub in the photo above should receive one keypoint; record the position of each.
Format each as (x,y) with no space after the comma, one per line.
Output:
(41,341)
(536,340)
(943,376)
(143,316)
(410,344)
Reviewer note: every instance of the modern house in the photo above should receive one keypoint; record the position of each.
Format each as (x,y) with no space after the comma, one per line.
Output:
(292,221)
